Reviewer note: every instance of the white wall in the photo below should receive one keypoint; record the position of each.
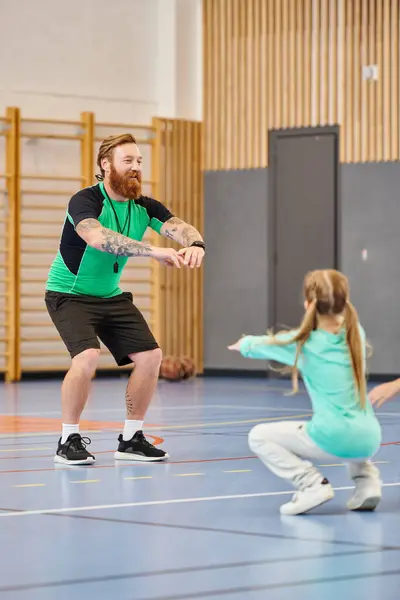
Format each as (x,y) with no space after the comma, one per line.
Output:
(119,59)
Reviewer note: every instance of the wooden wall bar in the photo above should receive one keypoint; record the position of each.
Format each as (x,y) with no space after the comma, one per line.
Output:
(180,187)
(31,218)
(294,63)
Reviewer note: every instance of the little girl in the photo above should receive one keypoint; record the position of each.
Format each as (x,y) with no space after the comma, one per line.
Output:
(329,351)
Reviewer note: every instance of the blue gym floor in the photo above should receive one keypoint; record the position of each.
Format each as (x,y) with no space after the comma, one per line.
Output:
(204,525)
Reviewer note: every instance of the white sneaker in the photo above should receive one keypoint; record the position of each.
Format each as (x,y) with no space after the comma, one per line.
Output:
(367,495)
(306,500)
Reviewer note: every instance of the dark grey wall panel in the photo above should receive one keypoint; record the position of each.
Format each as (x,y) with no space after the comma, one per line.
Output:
(235,269)
(370,197)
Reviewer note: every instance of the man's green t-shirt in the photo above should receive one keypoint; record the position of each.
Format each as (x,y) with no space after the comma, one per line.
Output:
(83,270)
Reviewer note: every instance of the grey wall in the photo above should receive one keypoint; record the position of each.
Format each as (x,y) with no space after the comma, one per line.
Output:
(371,220)
(235,272)
(235,285)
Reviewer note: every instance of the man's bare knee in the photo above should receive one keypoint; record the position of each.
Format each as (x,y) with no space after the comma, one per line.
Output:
(87,361)
(150,359)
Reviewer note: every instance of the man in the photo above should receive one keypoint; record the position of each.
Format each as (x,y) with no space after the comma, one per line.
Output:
(104,226)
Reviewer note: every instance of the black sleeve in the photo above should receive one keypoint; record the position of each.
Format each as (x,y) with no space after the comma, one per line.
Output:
(157,212)
(84,205)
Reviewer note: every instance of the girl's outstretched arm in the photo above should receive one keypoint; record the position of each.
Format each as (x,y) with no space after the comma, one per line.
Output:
(263,347)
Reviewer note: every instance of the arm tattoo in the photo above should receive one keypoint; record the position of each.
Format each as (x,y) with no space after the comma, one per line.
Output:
(112,242)
(116,243)
(88,225)
(181,232)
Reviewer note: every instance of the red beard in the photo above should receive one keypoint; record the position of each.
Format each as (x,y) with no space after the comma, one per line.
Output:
(129,186)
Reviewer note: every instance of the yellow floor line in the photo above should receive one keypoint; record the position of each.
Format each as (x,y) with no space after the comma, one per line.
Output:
(239,471)
(87,481)
(187,474)
(377,462)
(216,423)
(26,485)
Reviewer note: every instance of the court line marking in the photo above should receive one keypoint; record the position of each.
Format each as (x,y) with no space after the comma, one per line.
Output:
(200,425)
(151,428)
(26,449)
(240,471)
(377,462)
(374,462)
(139,464)
(187,474)
(184,570)
(29,485)
(87,481)
(50,511)
(200,407)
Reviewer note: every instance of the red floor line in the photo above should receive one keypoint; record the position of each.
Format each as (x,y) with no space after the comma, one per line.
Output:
(133,463)
(137,464)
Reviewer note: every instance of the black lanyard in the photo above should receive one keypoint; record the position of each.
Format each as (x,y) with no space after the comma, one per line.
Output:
(127,220)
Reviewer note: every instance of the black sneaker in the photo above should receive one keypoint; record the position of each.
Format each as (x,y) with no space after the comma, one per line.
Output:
(138,448)
(73,451)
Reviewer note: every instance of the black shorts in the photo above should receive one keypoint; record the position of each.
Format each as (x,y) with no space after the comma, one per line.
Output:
(82,320)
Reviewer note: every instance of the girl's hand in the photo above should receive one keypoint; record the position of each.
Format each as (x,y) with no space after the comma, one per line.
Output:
(235,346)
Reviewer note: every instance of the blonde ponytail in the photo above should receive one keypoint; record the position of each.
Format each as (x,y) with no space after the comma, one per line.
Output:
(355,344)
(307,325)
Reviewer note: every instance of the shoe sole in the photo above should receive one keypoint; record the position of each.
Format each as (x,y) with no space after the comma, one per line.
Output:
(303,512)
(369,504)
(138,457)
(73,463)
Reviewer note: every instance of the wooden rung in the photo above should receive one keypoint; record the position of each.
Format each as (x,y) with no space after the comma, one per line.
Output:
(143,295)
(42,309)
(41,222)
(5,354)
(65,367)
(48,353)
(33,295)
(41,236)
(148,281)
(48,192)
(49,324)
(4,176)
(131,267)
(40,295)
(43,338)
(40,324)
(38,250)
(43,207)
(45,368)
(43,280)
(33,280)
(51,136)
(140,142)
(126,126)
(52,121)
(51,177)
